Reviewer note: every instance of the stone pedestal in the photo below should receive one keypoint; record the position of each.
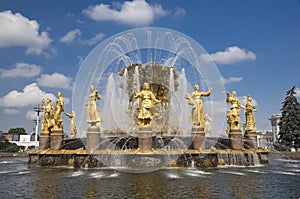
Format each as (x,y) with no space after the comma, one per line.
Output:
(145,138)
(44,141)
(250,140)
(198,137)
(93,138)
(235,136)
(56,139)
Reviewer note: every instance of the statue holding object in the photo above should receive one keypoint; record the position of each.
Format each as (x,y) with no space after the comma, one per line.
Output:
(52,124)
(249,115)
(93,119)
(233,114)
(147,101)
(48,120)
(194,99)
(93,116)
(58,109)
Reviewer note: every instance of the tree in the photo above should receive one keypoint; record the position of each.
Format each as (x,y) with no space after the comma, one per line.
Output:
(289,125)
(17,130)
(8,147)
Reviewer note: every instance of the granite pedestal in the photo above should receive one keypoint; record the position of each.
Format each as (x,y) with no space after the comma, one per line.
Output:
(92,138)
(44,140)
(236,141)
(56,139)
(198,137)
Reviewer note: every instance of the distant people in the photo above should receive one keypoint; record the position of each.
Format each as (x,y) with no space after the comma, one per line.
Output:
(194,99)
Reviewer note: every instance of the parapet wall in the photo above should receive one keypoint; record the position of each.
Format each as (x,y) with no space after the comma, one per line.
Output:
(146,160)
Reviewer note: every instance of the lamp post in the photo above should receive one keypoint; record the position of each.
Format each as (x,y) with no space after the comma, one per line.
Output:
(37,109)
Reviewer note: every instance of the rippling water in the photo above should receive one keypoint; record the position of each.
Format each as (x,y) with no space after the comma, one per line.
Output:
(279,179)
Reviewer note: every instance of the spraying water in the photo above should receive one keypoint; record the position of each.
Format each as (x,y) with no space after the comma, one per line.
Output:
(107,116)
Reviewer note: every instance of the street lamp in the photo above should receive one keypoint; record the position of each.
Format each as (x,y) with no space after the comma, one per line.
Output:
(37,109)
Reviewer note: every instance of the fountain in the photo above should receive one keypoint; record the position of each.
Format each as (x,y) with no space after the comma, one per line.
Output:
(139,116)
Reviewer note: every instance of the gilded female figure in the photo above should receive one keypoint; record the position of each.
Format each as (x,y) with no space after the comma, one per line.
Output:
(59,108)
(233,114)
(72,119)
(48,120)
(92,111)
(249,115)
(148,98)
(194,99)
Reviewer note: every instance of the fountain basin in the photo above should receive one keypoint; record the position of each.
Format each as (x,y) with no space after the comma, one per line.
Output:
(146,160)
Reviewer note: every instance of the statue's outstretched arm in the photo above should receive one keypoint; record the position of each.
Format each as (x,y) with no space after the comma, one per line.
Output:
(207,93)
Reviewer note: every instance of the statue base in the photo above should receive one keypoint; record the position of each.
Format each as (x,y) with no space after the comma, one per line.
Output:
(56,139)
(250,140)
(235,136)
(145,138)
(92,138)
(198,137)
(44,141)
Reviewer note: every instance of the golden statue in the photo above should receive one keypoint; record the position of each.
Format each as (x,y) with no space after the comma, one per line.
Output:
(48,120)
(249,115)
(148,98)
(207,123)
(194,99)
(93,116)
(73,129)
(59,108)
(233,114)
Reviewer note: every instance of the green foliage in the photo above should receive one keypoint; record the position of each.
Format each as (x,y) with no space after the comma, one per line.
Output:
(17,130)
(8,147)
(289,125)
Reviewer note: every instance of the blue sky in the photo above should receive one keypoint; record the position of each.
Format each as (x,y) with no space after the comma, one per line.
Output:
(255,45)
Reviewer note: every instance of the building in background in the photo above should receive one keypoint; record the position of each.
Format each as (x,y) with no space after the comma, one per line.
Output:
(9,137)
(275,119)
(23,141)
(265,139)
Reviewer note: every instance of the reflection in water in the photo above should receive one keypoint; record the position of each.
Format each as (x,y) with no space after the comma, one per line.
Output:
(46,184)
(17,181)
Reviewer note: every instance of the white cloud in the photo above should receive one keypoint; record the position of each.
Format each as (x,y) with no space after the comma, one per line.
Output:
(70,36)
(136,12)
(31,115)
(11,111)
(231,80)
(22,70)
(94,40)
(30,96)
(179,12)
(56,80)
(231,55)
(73,35)
(21,31)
